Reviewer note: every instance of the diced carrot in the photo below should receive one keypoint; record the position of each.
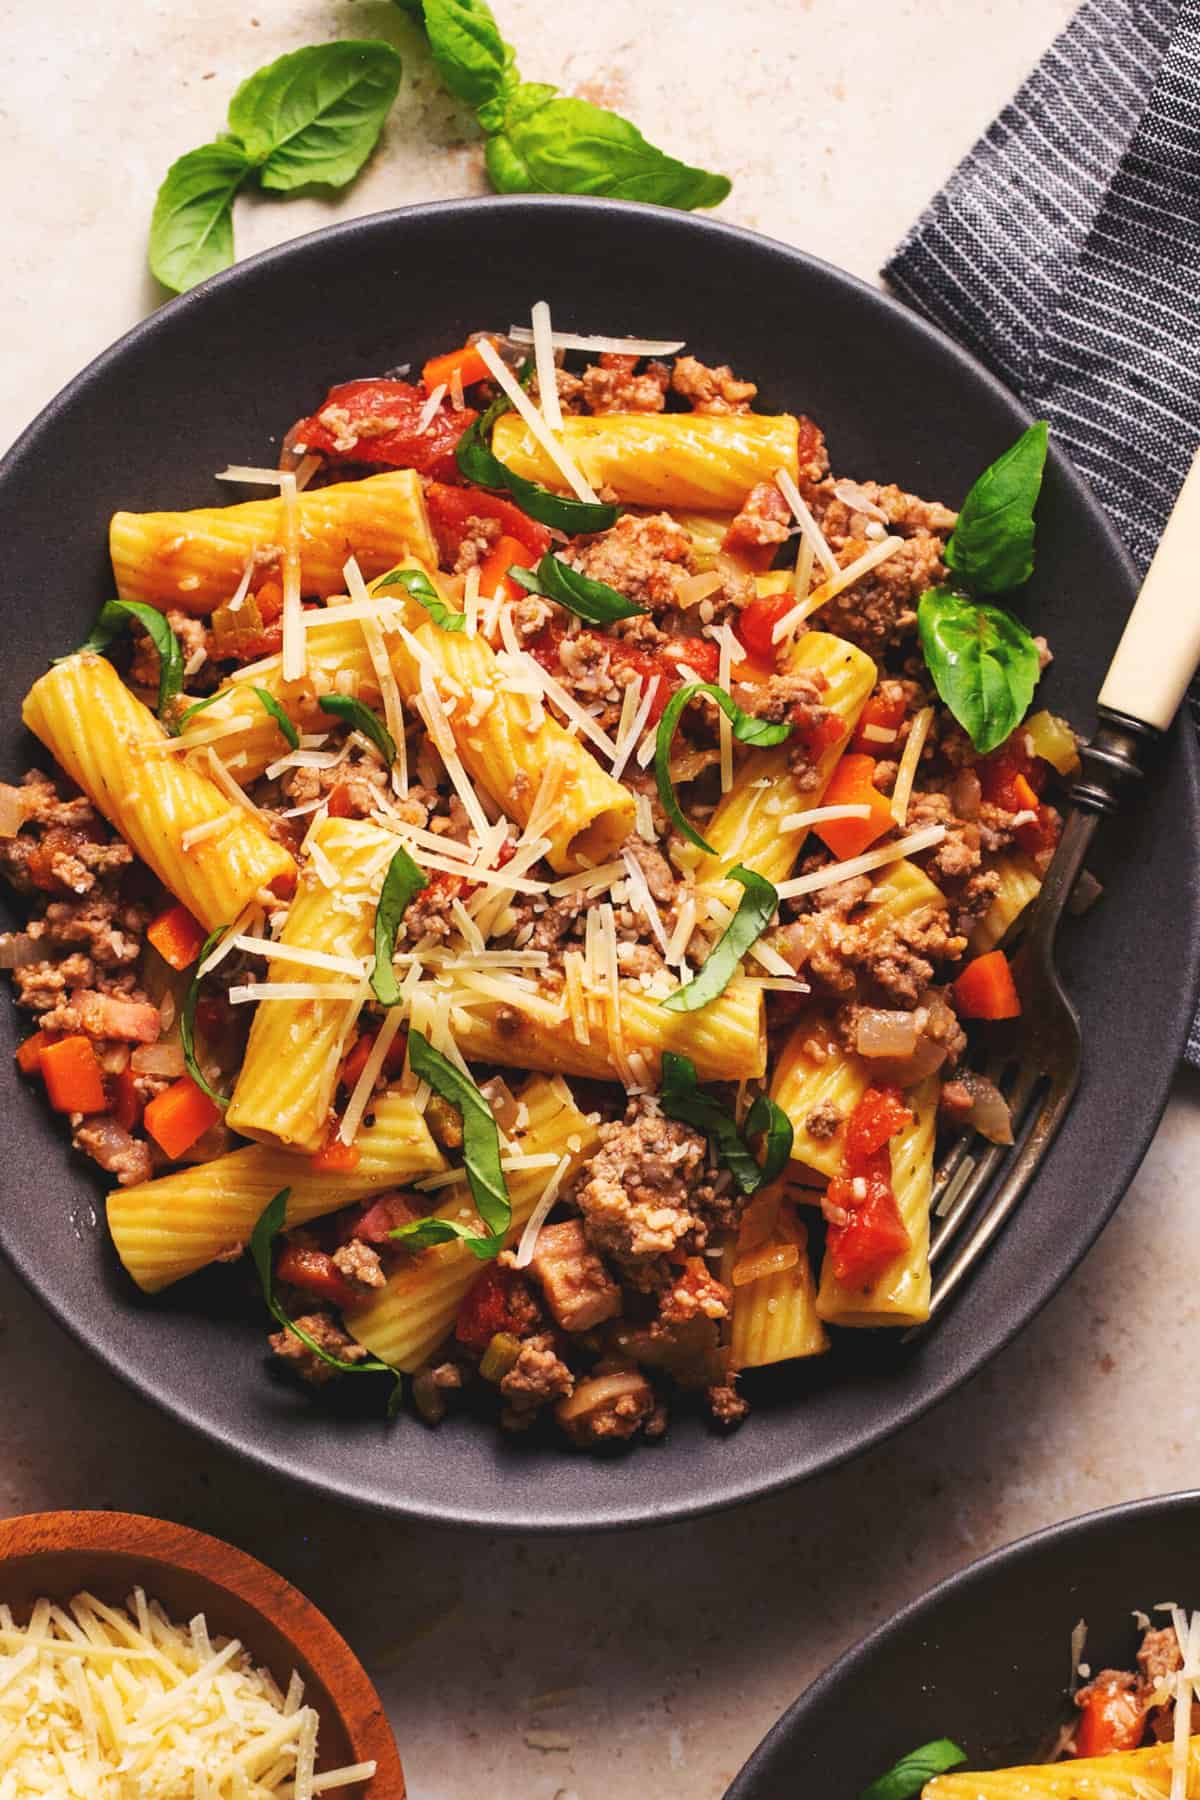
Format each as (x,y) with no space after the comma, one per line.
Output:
(269,600)
(176,936)
(126,1101)
(494,578)
(986,989)
(336,1158)
(72,1076)
(29,1053)
(852,785)
(466,360)
(180,1115)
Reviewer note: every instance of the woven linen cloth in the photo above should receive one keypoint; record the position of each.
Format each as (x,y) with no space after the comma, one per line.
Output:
(1065,252)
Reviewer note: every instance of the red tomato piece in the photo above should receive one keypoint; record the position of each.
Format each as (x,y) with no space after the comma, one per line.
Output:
(487,1307)
(879,1115)
(1011,778)
(377,424)
(127,1104)
(314,1273)
(375,1221)
(451,507)
(757,621)
(1111,1716)
(873,1232)
(1042,833)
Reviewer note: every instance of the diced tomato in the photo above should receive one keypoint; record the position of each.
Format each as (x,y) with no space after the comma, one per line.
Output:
(315,1273)
(377,424)
(700,654)
(1111,1717)
(822,735)
(1042,833)
(375,1220)
(873,1233)
(488,1307)
(1011,778)
(879,1115)
(757,621)
(884,711)
(340,804)
(335,1158)
(269,600)
(127,1104)
(354,1064)
(450,508)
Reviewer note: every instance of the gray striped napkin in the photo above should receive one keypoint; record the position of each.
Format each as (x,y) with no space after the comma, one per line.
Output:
(1065,252)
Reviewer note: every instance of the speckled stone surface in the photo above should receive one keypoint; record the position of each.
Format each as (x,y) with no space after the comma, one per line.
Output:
(648,1665)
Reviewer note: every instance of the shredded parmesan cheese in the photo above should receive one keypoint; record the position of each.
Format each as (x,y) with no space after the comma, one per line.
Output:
(430,408)
(365,1085)
(294,990)
(295,953)
(120,1703)
(238,597)
(295,649)
(832,873)
(199,834)
(389,692)
(817,815)
(537,425)
(614,346)
(804,518)
(637,726)
(906,774)
(642,899)
(540,1213)
(836,584)
(547,375)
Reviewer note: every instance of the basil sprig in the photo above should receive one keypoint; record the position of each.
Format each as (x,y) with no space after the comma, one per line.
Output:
(269,702)
(262,1243)
(418,587)
(592,600)
(479,465)
(401,885)
(983,662)
(360,718)
(187,1021)
(906,1778)
(760,733)
(755,910)
(991,548)
(682,1099)
(481,1157)
(540,142)
(113,618)
(309,118)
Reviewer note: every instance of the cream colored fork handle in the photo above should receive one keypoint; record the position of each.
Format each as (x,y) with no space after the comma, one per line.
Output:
(1160,646)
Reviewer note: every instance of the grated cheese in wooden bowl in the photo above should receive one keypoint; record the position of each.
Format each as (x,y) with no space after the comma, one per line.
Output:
(118,1703)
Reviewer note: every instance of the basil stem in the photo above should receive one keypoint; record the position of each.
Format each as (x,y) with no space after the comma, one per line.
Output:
(746,729)
(187,1021)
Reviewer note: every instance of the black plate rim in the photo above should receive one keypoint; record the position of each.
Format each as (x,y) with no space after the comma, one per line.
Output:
(718,1494)
(1065,1533)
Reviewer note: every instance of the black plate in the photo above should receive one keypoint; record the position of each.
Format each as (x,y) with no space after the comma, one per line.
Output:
(985,1657)
(215,377)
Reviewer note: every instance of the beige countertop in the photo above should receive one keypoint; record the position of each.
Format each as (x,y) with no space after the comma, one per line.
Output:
(643,1665)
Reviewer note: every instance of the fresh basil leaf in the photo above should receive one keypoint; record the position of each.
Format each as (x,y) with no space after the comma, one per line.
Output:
(478,465)
(481,1156)
(418,587)
(759,733)
(401,885)
(262,1242)
(472,58)
(682,1099)
(769,1119)
(113,618)
(983,662)
(360,718)
(755,911)
(191,229)
(591,600)
(567,146)
(907,1777)
(187,1021)
(270,704)
(315,115)
(991,548)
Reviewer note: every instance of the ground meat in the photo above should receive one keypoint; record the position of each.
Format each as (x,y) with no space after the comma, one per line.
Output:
(194,641)
(570,391)
(697,1294)
(955,1102)
(585,663)
(110,930)
(578,1288)
(823,1121)
(844,508)
(714,390)
(43,984)
(478,536)
(530,616)
(726,1404)
(63,860)
(360,1264)
(660,877)
(429,914)
(902,957)
(538,1376)
(329,1335)
(360,784)
(543,925)
(765,519)
(838,944)
(640,557)
(611,1418)
(643,1194)
(881,607)
(612,386)
(795,697)
(128,1158)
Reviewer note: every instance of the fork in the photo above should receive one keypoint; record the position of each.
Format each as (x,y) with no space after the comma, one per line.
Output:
(1038,1071)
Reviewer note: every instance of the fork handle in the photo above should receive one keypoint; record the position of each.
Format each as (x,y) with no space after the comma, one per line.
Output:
(1160,646)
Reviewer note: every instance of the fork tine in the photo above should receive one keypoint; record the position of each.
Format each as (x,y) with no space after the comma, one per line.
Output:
(1022,1166)
(948,1228)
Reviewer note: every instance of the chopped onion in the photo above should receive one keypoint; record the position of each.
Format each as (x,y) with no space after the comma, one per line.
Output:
(13,810)
(756,1265)
(691,589)
(107,1140)
(18,950)
(990,1114)
(966,794)
(851,495)
(602,1390)
(929,1052)
(881,1033)
(1052,739)
(502,1101)
(158,1059)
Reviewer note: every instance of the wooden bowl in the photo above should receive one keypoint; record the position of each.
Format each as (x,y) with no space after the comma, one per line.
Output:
(110,1553)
